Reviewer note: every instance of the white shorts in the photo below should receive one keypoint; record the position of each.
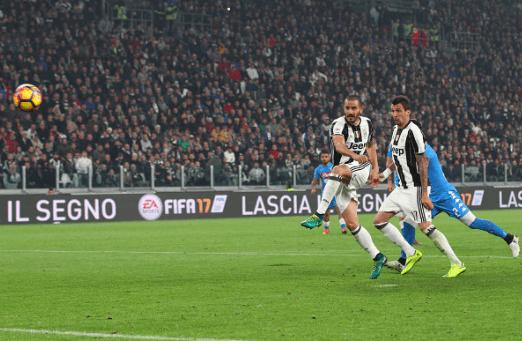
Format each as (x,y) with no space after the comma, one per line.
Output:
(407,201)
(360,174)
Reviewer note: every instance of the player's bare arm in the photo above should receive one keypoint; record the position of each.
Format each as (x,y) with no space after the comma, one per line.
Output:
(389,164)
(314,182)
(423,171)
(390,186)
(390,167)
(374,174)
(340,147)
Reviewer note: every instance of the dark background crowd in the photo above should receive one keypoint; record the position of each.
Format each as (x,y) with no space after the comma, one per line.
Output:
(256,88)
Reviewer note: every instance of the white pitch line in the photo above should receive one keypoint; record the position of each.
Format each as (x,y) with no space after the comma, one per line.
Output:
(121,336)
(283,253)
(386,285)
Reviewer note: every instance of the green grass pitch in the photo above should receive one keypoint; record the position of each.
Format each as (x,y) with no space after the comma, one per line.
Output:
(251,279)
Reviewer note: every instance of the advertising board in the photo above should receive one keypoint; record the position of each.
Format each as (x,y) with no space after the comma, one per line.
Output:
(35,209)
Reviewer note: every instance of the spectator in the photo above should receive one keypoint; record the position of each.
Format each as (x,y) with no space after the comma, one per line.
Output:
(196,175)
(229,155)
(12,178)
(105,25)
(256,175)
(63,148)
(113,179)
(277,84)
(82,166)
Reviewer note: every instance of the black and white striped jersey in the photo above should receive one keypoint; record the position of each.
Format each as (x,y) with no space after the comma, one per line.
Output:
(406,143)
(356,138)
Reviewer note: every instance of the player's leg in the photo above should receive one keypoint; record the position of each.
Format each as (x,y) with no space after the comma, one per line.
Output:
(408,229)
(440,240)
(455,208)
(339,174)
(326,221)
(408,232)
(394,203)
(348,205)
(421,215)
(342,222)
(381,222)
(486,225)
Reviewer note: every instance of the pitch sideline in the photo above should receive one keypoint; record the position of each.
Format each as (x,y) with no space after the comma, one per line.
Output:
(121,336)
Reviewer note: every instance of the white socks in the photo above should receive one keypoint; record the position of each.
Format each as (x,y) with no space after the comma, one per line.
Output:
(329,192)
(439,239)
(326,224)
(342,222)
(365,240)
(393,234)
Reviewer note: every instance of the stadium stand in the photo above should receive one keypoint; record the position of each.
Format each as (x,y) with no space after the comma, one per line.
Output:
(252,93)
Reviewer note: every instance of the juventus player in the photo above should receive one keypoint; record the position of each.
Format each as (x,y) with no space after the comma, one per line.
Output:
(350,137)
(412,195)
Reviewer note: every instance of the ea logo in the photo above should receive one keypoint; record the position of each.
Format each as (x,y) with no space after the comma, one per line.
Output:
(150,207)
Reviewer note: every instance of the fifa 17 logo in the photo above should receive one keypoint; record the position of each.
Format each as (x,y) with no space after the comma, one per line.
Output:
(397,151)
(199,205)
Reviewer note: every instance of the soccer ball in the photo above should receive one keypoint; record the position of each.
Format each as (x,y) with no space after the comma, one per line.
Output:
(27,97)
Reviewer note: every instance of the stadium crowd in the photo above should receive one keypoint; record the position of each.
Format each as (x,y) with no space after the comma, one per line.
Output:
(258,88)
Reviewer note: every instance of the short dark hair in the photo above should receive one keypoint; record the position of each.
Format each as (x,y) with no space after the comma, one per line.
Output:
(325,152)
(405,101)
(354,98)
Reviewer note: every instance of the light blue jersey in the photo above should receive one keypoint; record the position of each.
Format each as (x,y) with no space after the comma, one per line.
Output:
(323,172)
(444,195)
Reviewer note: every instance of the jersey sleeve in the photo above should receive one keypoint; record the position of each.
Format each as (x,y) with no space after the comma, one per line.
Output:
(371,133)
(337,128)
(430,152)
(390,154)
(418,141)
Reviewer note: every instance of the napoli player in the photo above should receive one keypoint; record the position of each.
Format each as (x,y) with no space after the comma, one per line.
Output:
(446,199)
(323,172)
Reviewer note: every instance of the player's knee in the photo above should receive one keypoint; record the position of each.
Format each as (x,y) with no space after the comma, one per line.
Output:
(337,170)
(352,225)
(342,170)
(347,179)
(378,222)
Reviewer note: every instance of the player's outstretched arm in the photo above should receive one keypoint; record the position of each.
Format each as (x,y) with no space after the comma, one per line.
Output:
(314,182)
(340,147)
(390,168)
(390,186)
(374,174)
(423,170)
